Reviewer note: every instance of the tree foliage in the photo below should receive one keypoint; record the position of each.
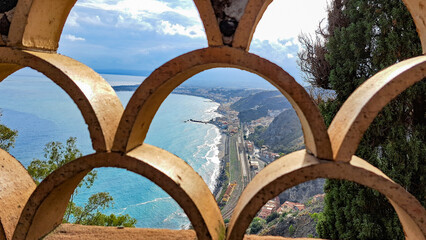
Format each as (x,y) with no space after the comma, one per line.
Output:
(57,155)
(362,38)
(272,217)
(7,137)
(256,225)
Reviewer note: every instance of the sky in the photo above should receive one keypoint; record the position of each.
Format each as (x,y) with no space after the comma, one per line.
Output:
(134,37)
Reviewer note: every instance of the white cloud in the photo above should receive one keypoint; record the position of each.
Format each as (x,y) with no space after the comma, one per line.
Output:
(276,36)
(141,25)
(288,44)
(145,15)
(93,20)
(168,28)
(136,7)
(72,19)
(76,18)
(73,38)
(285,19)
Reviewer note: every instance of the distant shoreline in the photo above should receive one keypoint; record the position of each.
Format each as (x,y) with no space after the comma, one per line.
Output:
(221,145)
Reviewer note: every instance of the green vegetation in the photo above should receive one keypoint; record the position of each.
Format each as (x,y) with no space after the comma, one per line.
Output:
(363,37)
(301,223)
(256,225)
(271,217)
(291,229)
(7,137)
(56,155)
(256,136)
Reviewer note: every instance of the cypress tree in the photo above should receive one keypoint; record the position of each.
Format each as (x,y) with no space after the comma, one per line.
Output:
(369,36)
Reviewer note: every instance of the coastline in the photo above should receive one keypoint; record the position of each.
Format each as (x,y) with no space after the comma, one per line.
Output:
(216,183)
(218,174)
(219,183)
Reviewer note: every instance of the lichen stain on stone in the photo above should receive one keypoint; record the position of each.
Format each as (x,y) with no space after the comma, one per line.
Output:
(7,8)
(228,14)
(7,5)
(4,25)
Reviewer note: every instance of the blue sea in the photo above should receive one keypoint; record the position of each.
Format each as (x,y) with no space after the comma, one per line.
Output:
(43,112)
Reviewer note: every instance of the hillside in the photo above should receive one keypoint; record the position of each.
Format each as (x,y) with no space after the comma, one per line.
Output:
(295,224)
(259,104)
(303,192)
(283,135)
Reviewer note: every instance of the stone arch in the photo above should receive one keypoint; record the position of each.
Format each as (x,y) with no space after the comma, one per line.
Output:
(153,91)
(39,23)
(299,167)
(417,9)
(211,27)
(97,101)
(16,186)
(46,206)
(248,23)
(360,109)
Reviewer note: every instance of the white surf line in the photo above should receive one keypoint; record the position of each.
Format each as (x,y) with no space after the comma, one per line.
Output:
(143,203)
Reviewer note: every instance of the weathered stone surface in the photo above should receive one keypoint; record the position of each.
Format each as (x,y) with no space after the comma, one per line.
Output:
(16,186)
(7,5)
(79,232)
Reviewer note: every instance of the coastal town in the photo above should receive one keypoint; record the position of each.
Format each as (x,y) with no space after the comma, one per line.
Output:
(241,159)
(248,118)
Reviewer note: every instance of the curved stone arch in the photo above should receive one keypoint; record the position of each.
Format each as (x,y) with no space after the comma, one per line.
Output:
(299,167)
(153,91)
(46,206)
(95,98)
(248,23)
(39,23)
(417,8)
(16,186)
(8,69)
(360,109)
(211,27)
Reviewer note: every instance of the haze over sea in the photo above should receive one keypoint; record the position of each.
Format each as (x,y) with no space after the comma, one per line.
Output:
(43,112)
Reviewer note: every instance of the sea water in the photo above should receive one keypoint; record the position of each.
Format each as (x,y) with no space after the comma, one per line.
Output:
(42,112)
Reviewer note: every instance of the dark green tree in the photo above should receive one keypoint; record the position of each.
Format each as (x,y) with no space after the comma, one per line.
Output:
(272,217)
(256,225)
(362,38)
(7,137)
(56,155)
